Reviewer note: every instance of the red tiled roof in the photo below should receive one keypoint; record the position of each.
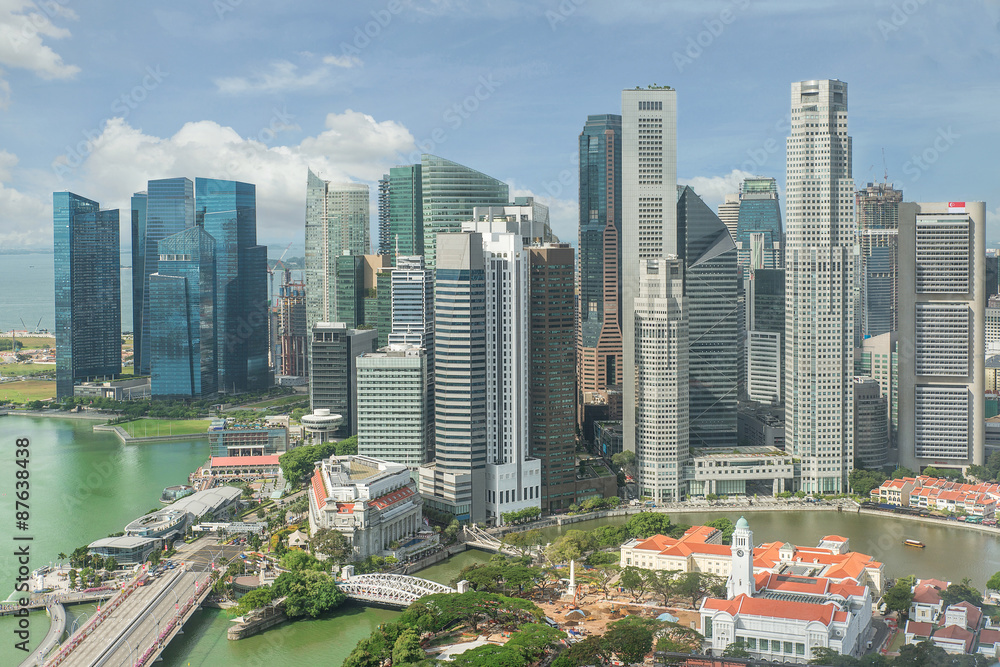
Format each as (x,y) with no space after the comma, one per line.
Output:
(392,497)
(918,629)
(972,613)
(834,538)
(656,543)
(925,594)
(228,461)
(792,584)
(954,633)
(782,609)
(345,508)
(989,636)
(936,583)
(318,489)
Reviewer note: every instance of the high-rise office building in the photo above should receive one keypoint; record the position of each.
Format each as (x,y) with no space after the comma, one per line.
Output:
(758,233)
(600,335)
(552,392)
(183,314)
(87,291)
(729,213)
(649,213)
(166,209)
(384,235)
(877,358)
(941,334)
(412,303)
(661,379)
(765,326)
(337,219)
(819,287)
(138,212)
(456,480)
(525,218)
(406,212)
(710,287)
(227,210)
(877,310)
(871,424)
(292,330)
(395,422)
(513,479)
(449,192)
(333,355)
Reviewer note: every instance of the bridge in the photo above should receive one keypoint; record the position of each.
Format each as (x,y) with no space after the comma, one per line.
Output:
(476,537)
(392,590)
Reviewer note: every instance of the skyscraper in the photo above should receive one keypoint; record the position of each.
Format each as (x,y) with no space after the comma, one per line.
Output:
(600,336)
(166,209)
(942,334)
(729,213)
(456,481)
(87,291)
(138,212)
(819,287)
(758,232)
(227,210)
(337,219)
(710,286)
(661,379)
(412,303)
(449,192)
(183,317)
(649,213)
(333,355)
(765,305)
(406,212)
(871,424)
(878,229)
(292,329)
(552,393)
(384,235)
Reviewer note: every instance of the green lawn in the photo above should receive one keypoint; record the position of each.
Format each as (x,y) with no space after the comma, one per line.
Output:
(35,343)
(24,369)
(22,391)
(141,428)
(280,400)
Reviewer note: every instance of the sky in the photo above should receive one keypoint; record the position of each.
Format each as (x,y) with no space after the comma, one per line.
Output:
(99,97)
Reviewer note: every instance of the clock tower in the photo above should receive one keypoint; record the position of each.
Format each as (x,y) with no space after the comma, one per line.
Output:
(741,581)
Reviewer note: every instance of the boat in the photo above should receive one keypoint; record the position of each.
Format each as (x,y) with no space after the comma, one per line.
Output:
(914,543)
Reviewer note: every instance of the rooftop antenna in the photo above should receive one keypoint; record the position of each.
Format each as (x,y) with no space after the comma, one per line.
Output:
(885,178)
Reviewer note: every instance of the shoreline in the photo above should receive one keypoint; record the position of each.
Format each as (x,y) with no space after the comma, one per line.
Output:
(58,414)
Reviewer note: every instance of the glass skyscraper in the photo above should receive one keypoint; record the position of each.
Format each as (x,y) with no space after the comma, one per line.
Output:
(450,192)
(227,210)
(710,283)
(166,209)
(877,301)
(600,336)
(406,212)
(183,317)
(87,291)
(758,228)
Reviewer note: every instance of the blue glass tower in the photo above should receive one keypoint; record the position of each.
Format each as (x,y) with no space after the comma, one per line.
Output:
(167,209)
(182,317)
(138,262)
(758,230)
(87,291)
(227,210)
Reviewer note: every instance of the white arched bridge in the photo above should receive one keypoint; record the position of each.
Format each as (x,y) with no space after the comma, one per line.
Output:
(394,590)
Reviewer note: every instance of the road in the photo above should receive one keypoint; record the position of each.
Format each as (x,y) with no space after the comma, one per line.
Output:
(135,625)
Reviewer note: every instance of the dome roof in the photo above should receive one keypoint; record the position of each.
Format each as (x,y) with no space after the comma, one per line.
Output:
(742,523)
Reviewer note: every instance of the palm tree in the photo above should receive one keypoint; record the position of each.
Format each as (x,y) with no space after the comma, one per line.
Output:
(61,557)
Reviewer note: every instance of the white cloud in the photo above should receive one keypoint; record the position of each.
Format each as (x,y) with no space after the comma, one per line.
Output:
(713,189)
(352,147)
(283,75)
(24,25)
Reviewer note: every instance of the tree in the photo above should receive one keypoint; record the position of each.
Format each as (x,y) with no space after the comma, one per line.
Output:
(899,597)
(863,481)
(677,638)
(570,546)
(634,581)
(155,556)
(490,655)
(735,650)
(533,639)
(901,472)
(524,541)
(962,592)
(111,564)
(625,460)
(599,558)
(587,652)
(726,526)
(994,583)
(696,585)
(647,524)
(605,575)
(982,473)
(72,578)
(61,557)
(662,583)
(308,593)
(407,648)
(629,641)
(330,543)
(254,599)
(297,561)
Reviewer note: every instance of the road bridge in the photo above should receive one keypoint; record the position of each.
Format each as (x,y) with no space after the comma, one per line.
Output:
(392,590)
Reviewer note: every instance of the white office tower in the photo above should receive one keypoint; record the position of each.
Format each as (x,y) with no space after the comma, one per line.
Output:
(661,378)
(729,213)
(819,287)
(513,481)
(941,334)
(649,213)
(336,224)
(395,418)
(412,304)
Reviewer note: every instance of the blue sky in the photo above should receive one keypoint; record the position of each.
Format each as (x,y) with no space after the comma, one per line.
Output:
(98,97)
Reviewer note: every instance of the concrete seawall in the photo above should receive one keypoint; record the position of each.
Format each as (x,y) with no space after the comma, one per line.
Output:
(130,440)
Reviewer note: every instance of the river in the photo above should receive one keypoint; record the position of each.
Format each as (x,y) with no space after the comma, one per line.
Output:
(86,485)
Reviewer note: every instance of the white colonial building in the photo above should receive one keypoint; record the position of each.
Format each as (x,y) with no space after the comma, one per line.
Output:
(784,617)
(373,503)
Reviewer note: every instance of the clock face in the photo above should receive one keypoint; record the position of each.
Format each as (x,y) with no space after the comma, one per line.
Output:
(739,553)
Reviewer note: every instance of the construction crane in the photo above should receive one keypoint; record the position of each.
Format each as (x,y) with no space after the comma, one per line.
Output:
(270,272)
(885,178)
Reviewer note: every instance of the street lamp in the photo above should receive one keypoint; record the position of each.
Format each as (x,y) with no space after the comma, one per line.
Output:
(79,618)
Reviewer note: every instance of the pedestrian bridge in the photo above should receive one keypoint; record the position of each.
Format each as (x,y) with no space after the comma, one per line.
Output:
(393,590)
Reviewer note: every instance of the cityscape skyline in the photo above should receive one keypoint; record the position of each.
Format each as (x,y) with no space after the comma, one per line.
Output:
(359,130)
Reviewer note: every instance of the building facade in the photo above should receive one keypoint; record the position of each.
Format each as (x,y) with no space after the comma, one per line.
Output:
(600,243)
(661,379)
(942,334)
(334,351)
(87,292)
(292,332)
(765,326)
(758,234)
(877,208)
(878,358)
(406,212)
(819,287)
(871,424)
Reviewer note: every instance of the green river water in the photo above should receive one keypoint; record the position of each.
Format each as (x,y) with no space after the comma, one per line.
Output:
(86,485)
